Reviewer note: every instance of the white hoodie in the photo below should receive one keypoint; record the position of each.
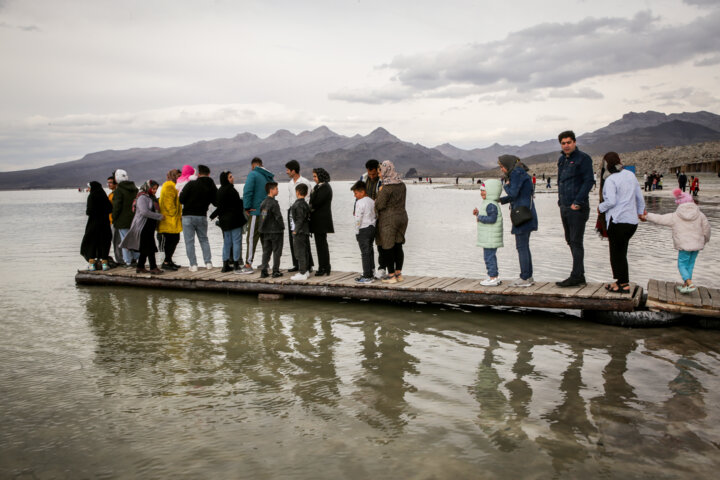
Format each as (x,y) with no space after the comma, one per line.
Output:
(690,227)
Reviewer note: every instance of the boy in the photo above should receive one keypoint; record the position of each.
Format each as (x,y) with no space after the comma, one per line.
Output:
(364,229)
(300,231)
(490,229)
(271,231)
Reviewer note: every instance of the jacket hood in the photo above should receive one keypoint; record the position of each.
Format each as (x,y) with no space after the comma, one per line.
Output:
(688,211)
(127,185)
(265,173)
(223,179)
(121,175)
(493,188)
(187,172)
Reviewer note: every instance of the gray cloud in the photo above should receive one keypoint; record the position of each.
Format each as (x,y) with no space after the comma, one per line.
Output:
(26,28)
(702,3)
(587,93)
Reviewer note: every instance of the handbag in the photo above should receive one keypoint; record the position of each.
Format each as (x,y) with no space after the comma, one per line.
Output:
(521,215)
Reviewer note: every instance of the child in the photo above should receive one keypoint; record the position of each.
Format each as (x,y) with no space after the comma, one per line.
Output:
(691,231)
(271,231)
(365,220)
(300,228)
(490,229)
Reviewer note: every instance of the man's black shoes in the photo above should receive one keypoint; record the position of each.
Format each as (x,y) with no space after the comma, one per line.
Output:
(572,282)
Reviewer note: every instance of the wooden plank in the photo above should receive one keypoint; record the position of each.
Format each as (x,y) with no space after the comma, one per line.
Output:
(338,279)
(688,299)
(589,290)
(446,281)
(461,285)
(667,307)
(450,286)
(705,297)
(411,282)
(653,290)
(425,284)
(523,290)
(662,292)
(671,292)
(715,295)
(613,295)
(552,289)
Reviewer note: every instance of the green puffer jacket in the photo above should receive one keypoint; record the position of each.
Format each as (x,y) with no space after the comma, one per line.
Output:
(490,235)
(123,199)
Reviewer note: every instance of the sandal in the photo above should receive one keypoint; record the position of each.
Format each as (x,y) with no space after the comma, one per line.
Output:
(618,288)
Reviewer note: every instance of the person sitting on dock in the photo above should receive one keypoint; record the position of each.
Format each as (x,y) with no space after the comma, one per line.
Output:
(690,231)
(196,198)
(365,219)
(490,229)
(299,227)
(271,230)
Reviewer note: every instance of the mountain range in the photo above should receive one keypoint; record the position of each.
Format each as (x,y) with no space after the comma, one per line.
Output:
(344,157)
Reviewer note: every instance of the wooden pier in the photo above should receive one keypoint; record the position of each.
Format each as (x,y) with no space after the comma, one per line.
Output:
(664,296)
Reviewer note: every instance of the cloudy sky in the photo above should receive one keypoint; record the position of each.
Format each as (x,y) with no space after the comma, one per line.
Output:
(80,76)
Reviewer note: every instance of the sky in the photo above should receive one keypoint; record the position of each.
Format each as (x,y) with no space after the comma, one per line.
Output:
(80,76)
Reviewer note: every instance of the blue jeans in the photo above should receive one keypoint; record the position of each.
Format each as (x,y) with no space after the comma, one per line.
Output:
(128,255)
(232,239)
(193,224)
(686,263)
(491,261)
(522,243)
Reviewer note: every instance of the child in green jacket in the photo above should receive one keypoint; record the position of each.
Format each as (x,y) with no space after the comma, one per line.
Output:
(490,229)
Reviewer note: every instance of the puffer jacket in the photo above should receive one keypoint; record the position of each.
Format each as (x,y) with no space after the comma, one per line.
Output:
(520,193)
(170,207)
(123,199)
(229,206)
(254,190)
(690,227)
(490,233)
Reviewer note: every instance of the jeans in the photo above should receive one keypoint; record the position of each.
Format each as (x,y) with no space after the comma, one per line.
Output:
(193,224)
(232,239)
(128,255)
(686,263)
(619,235)
(574,225)
(522,243)
(491,261)
(365,238)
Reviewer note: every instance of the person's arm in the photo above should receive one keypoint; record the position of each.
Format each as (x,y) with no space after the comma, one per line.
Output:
(320,198)
(639,201)
(214,193)
(117,204)
(359,213)
(512,188)
(382,200)
(143,208)
(666,219)
(587,177)
(706,228)
(275,211)
(184,193)
(249,191)
(609,197)
(491,217)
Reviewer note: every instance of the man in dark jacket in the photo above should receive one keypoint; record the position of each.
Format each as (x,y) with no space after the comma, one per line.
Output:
(575,180)
(253,195)
(682,181)
(271,228)
(123,213)
(196,197)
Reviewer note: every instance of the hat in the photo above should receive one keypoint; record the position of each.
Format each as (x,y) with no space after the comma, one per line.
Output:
(682,197)
(508,161)
(121,176)
(482,187)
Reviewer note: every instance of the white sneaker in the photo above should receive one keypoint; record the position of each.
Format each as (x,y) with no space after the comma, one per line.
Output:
(299,277)
(380,273)
(491,282)
(193,268)
(208,265)
(523,283)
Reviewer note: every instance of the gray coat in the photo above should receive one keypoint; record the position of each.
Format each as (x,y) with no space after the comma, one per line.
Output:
(143,210)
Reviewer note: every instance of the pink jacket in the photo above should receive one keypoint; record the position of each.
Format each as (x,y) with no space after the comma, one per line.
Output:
(690,227)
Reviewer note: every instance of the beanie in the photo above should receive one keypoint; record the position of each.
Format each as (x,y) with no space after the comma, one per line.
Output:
(682,197)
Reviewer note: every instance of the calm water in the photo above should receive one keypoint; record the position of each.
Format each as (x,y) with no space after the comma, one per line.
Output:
(134,383)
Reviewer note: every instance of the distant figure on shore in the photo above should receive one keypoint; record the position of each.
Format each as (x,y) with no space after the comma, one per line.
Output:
(518,187)
(372,186)
(534,181)
(196,198)
(253,195)
(187,174)
(299,227)
(117,251)
(392,221)
(271,230)
(575,180)
(549,185)
(690,232)
(95,246)
(695,186)
(647,181)
(292,169)
(231,219)
(321,221)
(623,206)
(123,212)
(141,236)
(364,221)
(682,181)
(170,227)
(490,229)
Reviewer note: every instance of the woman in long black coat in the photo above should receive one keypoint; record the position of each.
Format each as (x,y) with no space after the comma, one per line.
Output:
(321,222)
(95,246)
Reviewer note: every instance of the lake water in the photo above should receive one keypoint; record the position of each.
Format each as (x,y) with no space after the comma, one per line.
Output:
(133,383)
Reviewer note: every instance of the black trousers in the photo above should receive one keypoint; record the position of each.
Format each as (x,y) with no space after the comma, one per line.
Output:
(293,249)
(323,252)
(574,225)
(619,235)
(301,244)
(393,257)
(272,244)
(365,238)
(168,244)
(143,257)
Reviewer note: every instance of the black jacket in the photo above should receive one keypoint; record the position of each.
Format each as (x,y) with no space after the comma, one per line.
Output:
(123,199)
(271,219)
(300,214)
(197,196)
(320,207)
(229,207)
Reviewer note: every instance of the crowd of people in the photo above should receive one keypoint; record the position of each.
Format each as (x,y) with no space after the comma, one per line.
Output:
(129,218)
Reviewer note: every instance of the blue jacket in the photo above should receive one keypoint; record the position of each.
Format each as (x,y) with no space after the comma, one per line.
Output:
(575,179)
(254,191)
(519,193)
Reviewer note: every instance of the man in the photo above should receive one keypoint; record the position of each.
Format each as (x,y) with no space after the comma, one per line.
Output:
(575,180)
(372,186)
(253,195)
(196,197)
(122,214)
(292,168)
(117,251)
(682,181)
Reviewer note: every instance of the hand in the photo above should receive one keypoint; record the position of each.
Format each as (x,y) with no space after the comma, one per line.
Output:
(598,209)
(574,207)
(476,211)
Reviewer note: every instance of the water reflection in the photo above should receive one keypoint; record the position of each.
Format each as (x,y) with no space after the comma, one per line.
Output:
(564,398)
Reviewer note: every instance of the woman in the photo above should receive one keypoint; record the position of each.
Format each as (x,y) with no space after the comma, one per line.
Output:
(231,211)
(187,174)
(141,235)
(392,222)
(95,246)
(519,189)
(321,222)
(623,205)
(169,229)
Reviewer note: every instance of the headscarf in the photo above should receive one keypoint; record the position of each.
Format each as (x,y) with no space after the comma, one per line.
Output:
(173,175)
(509,162)
(322,174)
(145,190)
(121,176)
(97,199)
(187,171)
(682,197)
(389,175)
(224,178)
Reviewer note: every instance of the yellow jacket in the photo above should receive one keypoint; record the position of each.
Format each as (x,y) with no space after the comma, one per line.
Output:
(170,207)
(110,197)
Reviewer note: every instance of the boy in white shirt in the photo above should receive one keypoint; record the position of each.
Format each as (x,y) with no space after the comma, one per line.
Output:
(365,219)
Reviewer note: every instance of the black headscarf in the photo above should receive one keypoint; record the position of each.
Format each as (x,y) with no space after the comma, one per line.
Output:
(98,202)
(323,176)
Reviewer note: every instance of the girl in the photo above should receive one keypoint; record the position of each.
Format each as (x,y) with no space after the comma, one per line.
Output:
(691,231)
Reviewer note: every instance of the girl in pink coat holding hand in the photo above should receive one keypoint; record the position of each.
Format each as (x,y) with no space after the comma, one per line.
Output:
(691,231)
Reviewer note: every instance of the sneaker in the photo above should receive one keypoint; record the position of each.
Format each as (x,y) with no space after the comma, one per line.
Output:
(389,279)
(364,280)
(245,270)
(277,274)
(91,267)
(491,282)
(572,282)
(299,277)
(380,273)
(264,274)
(193,268)
(208,265)
(523,282)
(686,288)
(105,266)
(399,278)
